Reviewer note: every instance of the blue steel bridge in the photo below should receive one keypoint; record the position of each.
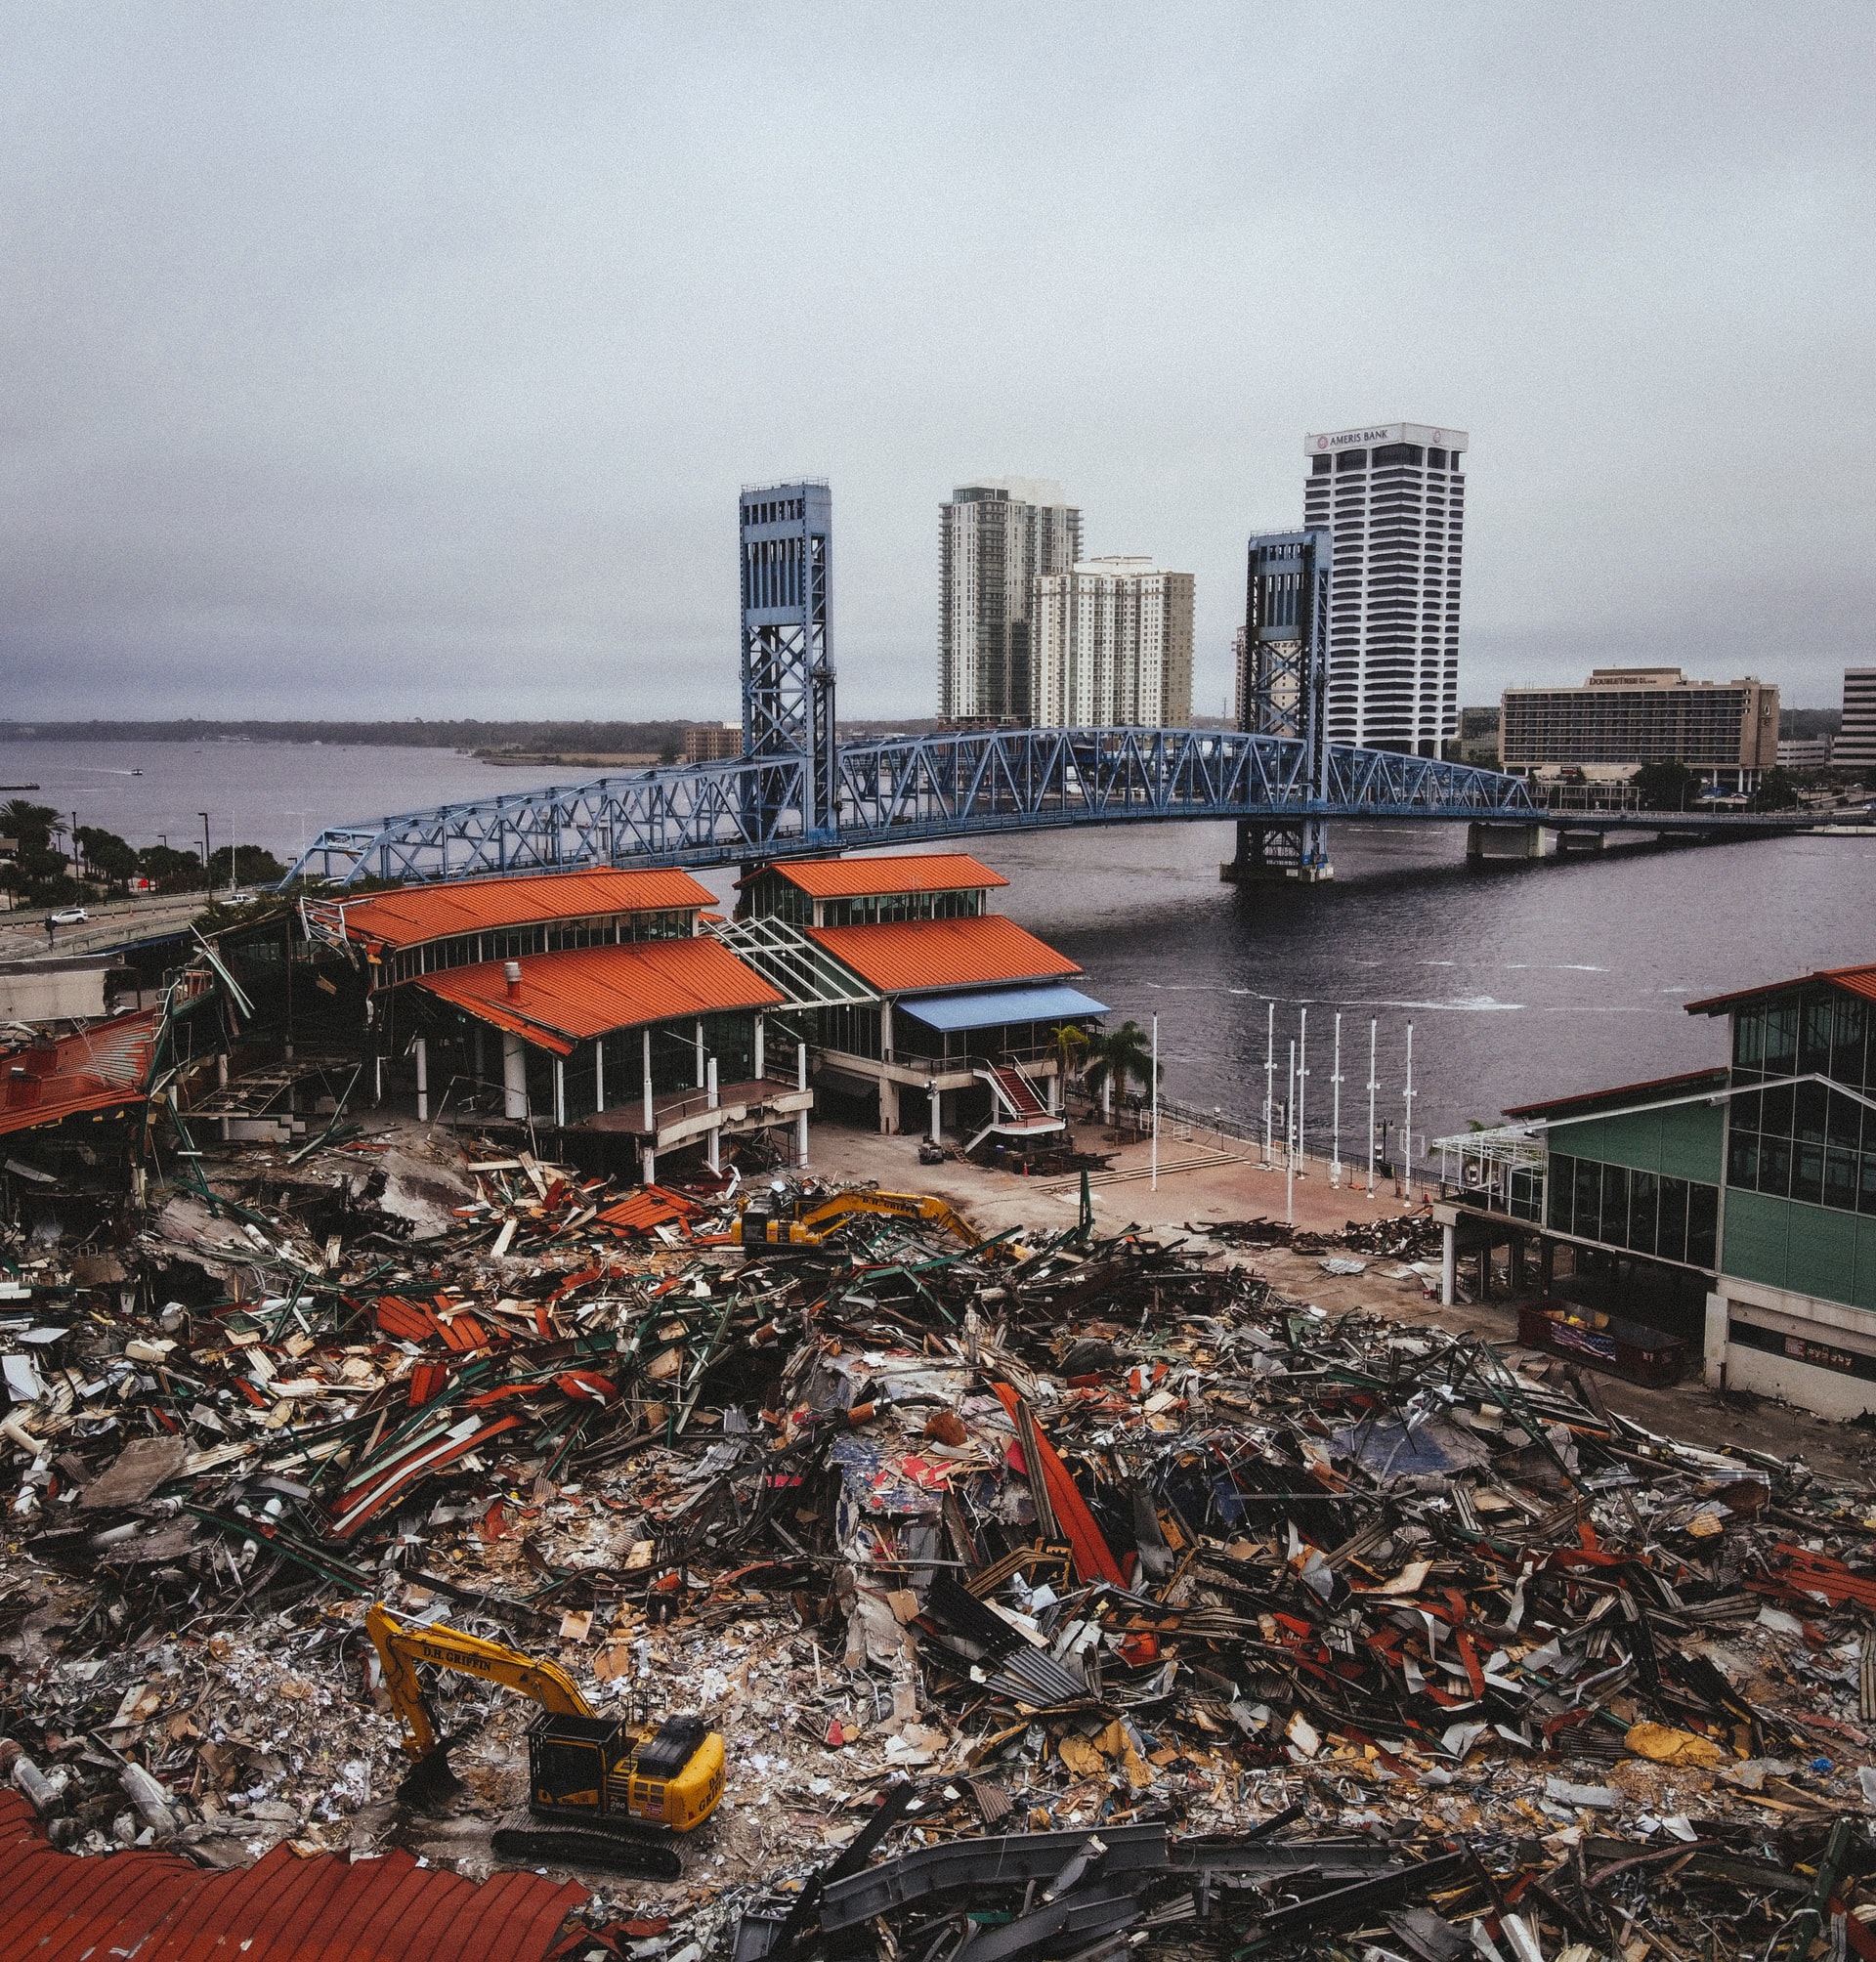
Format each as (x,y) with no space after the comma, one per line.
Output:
(798,790)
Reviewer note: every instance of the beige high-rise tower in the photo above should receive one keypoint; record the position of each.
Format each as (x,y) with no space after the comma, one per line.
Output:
(1114,645)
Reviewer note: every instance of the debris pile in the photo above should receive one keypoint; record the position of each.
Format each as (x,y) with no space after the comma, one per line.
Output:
(1051,1598)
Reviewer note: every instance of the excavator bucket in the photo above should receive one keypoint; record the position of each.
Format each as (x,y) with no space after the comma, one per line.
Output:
(429,1784)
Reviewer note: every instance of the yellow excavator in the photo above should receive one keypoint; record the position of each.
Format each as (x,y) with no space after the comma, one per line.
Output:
(777,1216)
(609,1790)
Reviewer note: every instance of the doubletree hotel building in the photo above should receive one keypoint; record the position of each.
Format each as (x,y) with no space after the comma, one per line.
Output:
(1623,717)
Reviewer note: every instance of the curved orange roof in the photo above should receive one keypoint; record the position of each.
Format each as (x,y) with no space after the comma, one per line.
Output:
(913,956)
(908,872)
(422,912)
(577,993)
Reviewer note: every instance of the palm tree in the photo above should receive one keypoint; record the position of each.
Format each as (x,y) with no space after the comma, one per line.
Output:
(1124,1054)
(1071,1043)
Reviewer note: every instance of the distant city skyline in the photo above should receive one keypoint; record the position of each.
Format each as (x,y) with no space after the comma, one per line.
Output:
(402,363)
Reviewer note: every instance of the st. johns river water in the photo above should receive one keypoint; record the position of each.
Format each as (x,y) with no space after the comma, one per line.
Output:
(1521,982)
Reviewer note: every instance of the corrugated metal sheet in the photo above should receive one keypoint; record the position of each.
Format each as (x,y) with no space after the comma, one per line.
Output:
(56,1908)
(915,872)
(431,912)
(582,992)
(1860,980)
(916,955)
(94,1070)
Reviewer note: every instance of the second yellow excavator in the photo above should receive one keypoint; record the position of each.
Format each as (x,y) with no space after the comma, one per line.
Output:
(777,1218)
(609,1791)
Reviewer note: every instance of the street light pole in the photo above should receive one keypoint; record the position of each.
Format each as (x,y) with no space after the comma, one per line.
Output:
(208,883)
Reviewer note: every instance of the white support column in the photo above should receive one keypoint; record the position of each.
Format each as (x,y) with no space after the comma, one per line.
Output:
(514,1078)
(709,1084)
(423,1080)
(1448,1264)
(560,1093)
(888,1090)
(599,1073)
(937,1097)
(699,1052)
(377,1080)
(648,1162)
(802,1116)
(716,1147)
(761,1057)
(651,1116)
(1052,1091)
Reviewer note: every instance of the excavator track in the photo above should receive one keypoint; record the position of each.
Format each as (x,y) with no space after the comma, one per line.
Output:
(535,1842)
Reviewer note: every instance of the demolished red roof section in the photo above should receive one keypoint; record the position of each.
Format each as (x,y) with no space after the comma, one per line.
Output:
(284,1908)
(98,1069)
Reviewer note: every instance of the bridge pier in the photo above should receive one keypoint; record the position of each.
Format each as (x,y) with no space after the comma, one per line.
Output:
(1504,841)
(1575,844)
(1279,854)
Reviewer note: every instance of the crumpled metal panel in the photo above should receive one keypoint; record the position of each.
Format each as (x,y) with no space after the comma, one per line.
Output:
(284,1908)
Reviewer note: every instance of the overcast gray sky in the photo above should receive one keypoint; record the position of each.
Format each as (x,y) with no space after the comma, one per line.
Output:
(395,360)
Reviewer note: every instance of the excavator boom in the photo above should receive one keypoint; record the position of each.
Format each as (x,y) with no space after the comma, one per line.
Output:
(402,1645)
(767,1222)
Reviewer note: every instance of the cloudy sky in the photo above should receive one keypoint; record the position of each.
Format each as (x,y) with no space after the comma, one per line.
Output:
(394,360)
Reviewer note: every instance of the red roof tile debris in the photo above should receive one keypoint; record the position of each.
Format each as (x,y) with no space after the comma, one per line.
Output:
(651,1206)
(579,992)
(283,1908)
(916,956)
(97,1070)
(911,871)
(416,914)
(1860,980)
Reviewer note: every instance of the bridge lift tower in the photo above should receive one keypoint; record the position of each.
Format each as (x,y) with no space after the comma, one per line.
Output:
(788,671)
(1283,691)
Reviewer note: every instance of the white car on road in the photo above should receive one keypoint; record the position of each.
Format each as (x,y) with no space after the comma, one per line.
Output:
(67,916)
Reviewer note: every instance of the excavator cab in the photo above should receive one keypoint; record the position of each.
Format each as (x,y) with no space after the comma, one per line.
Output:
(594,1783)
(769,1214)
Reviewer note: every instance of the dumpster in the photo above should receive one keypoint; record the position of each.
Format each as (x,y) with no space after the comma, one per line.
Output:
(1625,1348)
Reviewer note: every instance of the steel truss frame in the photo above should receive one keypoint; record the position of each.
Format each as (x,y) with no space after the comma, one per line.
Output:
(905,790)
(1286,642)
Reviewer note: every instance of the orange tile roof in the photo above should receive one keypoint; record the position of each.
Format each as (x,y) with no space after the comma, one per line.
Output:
(422,912)
(912,871)
(914,956)
(1858,980)
(579,992)
(99,1068)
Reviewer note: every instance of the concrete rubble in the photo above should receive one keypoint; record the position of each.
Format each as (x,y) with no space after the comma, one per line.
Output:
(1062,1596)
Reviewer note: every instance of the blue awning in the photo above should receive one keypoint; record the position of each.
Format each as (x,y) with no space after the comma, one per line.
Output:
(992,1008)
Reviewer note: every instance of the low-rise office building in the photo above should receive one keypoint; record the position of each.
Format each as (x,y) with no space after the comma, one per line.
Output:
(1629,716)
(1735,1204)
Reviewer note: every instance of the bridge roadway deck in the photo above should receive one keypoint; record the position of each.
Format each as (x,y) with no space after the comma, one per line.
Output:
(925,788)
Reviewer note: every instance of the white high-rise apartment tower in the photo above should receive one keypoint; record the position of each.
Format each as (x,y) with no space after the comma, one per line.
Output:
(1113,644)
(1394,497)
(1856,746)
(997,538)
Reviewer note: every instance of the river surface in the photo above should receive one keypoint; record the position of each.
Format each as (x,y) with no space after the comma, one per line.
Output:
(1520,982)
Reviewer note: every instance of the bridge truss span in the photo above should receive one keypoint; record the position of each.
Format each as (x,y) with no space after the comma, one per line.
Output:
(904,789)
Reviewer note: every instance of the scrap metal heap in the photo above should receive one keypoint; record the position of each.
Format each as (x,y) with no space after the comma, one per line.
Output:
(1055,1597)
